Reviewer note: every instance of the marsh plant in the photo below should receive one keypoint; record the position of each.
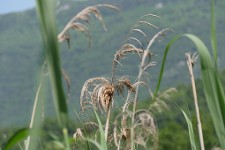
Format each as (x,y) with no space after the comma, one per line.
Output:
(132,127)
(121,126)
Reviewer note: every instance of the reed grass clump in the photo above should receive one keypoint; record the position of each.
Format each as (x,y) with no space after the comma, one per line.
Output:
(131,127)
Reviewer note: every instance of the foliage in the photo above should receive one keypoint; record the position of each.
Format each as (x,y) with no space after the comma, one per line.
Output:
(169,135)
(133,127)
(46,11)
(191,131)
(19,27)
(16,138)
(212,84)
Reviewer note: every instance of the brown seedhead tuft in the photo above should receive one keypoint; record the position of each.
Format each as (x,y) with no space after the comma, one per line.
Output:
(92,93)
(105,96)
(78,134)
(78,21)
(132,126)
(122,83)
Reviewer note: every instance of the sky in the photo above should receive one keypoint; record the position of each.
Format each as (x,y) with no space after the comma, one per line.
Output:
(7,6)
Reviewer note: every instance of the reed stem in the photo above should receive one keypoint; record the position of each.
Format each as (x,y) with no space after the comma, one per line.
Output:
(190,63)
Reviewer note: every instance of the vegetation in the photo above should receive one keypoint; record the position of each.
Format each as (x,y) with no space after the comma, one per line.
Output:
(19,27)
(131,126)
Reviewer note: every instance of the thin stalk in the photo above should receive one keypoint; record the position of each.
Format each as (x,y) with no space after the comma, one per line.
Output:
(123,117)
(35,104)
(190,63)
(136,95)
(27,142)
(107,123)
(65,134)
(141,70)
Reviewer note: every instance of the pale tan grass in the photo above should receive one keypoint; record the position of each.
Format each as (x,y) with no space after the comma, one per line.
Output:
(161,100)
(79,20)
(67,80)
(191,60)
(90,91)
(131,127)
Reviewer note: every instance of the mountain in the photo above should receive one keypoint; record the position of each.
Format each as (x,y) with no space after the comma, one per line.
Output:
(21,53)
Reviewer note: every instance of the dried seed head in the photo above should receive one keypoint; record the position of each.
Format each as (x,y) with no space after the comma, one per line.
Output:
(145,128)
(67,80)
(78,134)
(125,134)
(191,59)
(160,104)
(122,83)
(146,119)
(105,96)
(127,48)
(78,21)
(91,91)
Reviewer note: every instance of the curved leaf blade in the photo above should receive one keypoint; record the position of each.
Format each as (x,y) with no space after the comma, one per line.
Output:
(190,130)
(212,85)
(18,136)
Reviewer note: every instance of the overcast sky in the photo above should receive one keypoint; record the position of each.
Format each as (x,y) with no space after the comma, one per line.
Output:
(7,6)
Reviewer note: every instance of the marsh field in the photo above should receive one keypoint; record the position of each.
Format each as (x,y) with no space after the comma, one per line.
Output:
(117,75)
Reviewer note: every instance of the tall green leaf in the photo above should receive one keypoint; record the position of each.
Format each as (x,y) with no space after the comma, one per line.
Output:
(66,139)
(102,134)
(103,142)
(212,86)
(46,14)
(213,33)
(191,131)
(163,64)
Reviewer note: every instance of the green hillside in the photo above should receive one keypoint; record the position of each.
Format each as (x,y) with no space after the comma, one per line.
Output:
(21,50)
(171,123)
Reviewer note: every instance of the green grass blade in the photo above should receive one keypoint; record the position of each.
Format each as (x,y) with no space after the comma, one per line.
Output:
(216,102)
(103,143)
(36,118)
(17,137)
(205,58)
(213,33)
(211,81)
(190,130)
(95,143)
(46,14)
(163,64)
(212,86)
(102,133)
(66,137)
